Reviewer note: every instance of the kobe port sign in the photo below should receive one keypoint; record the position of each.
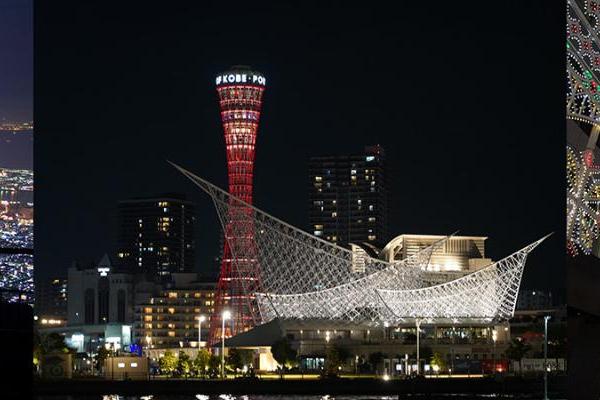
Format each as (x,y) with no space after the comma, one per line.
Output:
(241,78)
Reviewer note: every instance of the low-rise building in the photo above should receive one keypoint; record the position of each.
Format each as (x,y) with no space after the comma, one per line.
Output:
(171,317)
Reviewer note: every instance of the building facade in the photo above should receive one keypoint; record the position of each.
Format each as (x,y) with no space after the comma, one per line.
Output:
(348,197)
(51,301)
(99,295)
(156,235)
(171,317)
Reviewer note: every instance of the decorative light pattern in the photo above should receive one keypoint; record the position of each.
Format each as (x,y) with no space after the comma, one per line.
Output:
(583,201)
(583,101)
(583,62)
(304,277)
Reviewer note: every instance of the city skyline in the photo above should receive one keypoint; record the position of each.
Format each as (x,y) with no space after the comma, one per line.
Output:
(464,156)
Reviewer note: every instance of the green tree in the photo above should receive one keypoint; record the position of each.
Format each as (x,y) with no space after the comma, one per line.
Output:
(437,361)
(516,351)
(283,352)
(184,364)
(375,359)
(239,358)
(100,357)
(168,363)
(54,342)
(200,364)
(214,366)
(335,358)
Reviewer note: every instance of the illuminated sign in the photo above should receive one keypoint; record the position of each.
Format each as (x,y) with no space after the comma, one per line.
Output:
(241,78)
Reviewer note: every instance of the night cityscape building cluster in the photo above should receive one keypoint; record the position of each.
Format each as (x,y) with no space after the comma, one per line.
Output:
(16,235)
(344,282)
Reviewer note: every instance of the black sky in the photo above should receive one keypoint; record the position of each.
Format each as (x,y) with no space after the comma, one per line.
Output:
(16,60)
(468,102)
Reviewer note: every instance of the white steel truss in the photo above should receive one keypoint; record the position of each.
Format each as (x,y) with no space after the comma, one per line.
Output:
(300,276)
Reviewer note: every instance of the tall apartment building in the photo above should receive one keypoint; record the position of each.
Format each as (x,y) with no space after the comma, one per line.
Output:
(156,235)
(348,197)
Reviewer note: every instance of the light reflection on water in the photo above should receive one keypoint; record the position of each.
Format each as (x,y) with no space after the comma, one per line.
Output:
(271,397)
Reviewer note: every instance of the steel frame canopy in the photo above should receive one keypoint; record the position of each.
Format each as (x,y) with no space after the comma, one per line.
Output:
(303,277)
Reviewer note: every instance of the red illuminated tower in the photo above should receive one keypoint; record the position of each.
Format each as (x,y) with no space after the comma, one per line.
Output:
(240,92)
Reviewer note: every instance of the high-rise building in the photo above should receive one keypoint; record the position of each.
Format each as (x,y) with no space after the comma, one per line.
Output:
(348,197)
(51,301)
(240,91)
(156,235)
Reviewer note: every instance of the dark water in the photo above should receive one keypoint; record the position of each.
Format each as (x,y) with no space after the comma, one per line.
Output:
(16,150)
(278,397)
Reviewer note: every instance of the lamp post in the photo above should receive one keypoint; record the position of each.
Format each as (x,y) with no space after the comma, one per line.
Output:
(226,315)
(201,319)
(494,338)
(546,318)
(418,324)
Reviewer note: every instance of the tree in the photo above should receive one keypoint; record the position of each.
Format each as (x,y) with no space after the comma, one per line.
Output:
(101,356)
(437,362)
(184,364)
(336,357)
(516,351)
(54,342)
(239,358)
(168,363)
(375,359)
(200,364)
(283,352)
(214,366)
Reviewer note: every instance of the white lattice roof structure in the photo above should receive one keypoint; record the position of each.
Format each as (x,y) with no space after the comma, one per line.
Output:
(303,277)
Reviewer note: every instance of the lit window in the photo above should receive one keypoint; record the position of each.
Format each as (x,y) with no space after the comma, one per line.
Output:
(319,227)
(372,237)
(148,318)
(334,214)
(353,172)
(133,365)
(171,310)
(369,158)
(318,178)
(148,310)
(371,207)
(171,333)
(121,365)
(172,295)
(318,233)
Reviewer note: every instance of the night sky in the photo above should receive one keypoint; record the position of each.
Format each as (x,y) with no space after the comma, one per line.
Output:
(16,60)
(468,103)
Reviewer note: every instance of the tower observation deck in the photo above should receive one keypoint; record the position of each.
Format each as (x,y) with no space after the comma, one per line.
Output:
(240,91)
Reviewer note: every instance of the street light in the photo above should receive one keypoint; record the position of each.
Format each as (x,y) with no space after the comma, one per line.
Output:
(148,345)
(494,338)
(546,318)
(226,315)
(201,319)
(418,325)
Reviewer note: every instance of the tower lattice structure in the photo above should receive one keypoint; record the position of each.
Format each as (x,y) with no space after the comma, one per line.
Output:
(240,93)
